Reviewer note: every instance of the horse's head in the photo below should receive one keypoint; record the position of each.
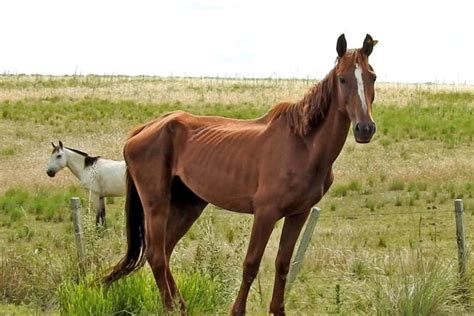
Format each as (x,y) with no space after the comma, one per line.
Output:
(57,161)
(355,80)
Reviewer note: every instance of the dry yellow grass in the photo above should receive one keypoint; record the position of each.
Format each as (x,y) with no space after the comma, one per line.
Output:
(25,166)
(189,90)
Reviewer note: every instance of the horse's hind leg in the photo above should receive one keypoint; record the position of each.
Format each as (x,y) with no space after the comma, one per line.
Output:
(149,158)
(156,210)
(186,207)
(153,185)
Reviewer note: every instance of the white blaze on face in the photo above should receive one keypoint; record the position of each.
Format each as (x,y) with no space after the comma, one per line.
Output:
(360,87)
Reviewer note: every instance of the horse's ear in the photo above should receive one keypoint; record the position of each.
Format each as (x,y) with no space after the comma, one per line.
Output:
(341,46)
(54,146)
(61,145)
(368,45)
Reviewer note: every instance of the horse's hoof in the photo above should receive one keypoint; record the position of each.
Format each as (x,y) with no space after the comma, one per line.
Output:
(279,311)
(237,312)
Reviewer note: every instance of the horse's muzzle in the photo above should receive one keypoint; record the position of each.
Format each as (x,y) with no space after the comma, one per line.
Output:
(51,173)
(364,131)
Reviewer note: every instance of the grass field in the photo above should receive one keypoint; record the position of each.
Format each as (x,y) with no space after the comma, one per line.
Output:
(384,244)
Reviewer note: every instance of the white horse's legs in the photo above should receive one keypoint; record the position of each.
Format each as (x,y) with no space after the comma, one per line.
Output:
(98,204)
(101,211)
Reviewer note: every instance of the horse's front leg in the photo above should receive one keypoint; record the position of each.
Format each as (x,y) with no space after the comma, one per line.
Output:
(289,235)
(262,229)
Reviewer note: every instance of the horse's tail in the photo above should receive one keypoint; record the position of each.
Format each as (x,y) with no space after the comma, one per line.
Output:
(134,258)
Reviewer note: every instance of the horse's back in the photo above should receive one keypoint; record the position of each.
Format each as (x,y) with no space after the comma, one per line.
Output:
(221,151)
(185,126)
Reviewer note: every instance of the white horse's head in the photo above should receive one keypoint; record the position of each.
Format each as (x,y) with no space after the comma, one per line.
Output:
(57,161)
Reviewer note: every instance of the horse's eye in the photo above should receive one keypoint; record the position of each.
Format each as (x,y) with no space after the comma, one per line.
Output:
(59,156)
(342,80)
(375,78)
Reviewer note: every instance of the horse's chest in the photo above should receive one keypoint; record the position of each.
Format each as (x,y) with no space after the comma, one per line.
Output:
(301,189)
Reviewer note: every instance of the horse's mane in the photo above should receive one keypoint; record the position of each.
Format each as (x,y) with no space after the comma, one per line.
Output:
(88,160)
(307,113)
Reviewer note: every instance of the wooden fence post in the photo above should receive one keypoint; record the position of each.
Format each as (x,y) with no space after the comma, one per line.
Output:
(460,238)
(76,218)
(300,253)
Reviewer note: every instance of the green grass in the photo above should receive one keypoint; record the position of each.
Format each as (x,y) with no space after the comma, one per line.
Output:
(9,151)
(137,294)
(84,116)
(450,124)
(131,295)
(43,204)
(397,185)
(427,288)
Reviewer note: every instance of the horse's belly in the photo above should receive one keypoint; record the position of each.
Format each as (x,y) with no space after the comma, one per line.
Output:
(115,190)
(113,186)
(230,195)
(237,204)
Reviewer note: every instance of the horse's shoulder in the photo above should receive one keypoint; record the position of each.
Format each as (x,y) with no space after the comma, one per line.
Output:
(90,160)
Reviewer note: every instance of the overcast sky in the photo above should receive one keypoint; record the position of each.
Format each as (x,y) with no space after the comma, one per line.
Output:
(419,41)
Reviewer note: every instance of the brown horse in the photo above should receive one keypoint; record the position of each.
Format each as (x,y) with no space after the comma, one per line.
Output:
(276,166)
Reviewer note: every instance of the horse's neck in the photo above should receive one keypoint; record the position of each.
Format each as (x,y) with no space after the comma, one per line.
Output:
(332,134)
(75,163)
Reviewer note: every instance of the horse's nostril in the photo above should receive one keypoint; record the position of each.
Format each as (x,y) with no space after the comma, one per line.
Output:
(364,128)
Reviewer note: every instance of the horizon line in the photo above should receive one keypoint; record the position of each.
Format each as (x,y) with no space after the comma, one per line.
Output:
(224,77)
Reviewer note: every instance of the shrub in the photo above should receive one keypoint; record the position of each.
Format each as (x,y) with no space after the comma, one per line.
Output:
(396,185)
(424,287)
(137,294)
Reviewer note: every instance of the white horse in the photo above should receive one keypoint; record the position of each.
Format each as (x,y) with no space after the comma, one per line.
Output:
(102,177)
